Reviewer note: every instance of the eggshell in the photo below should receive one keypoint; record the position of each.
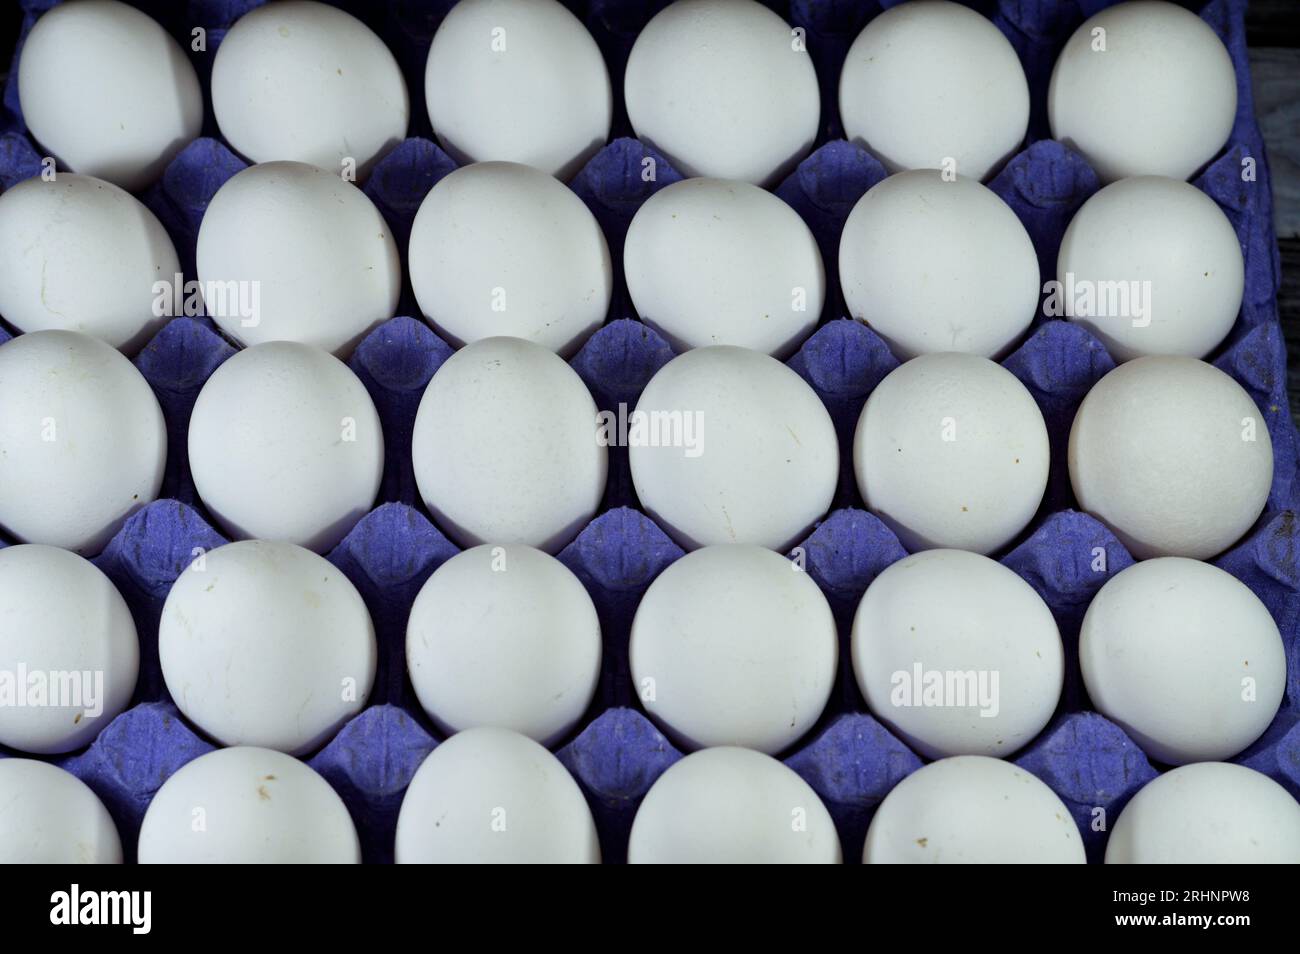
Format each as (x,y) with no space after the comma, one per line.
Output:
(951,451)
(51,817)
(723,88)
(312,248)
(935,265)
(1183,657)
(285,444)
(932,83)
(246,805)
(308,82)
(734,645)
(80,254)
(518,80)
(759,464)
(492,796)
(1159,98)
(972,810)
(1185,475)
(105,90)
(266,644)
(82,440)
(499,248)
(505,448)
(504,636)
(715,262)
(967,620)
(1207,814)
(732,806)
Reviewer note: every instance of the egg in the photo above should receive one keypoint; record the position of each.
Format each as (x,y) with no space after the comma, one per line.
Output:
(505,447)
(1210,813)
(285,444)
(734,645)
(492,796)
(518,80)
(1183,657)
(728,445)
(289,252)
(951,451)
(732,806)
(723,88)
(957,655)
(247,805)
(932,264)
(498,248)
(932,84)
(504,636)
(82,440)
(51,817)
(105,90)
(80,254)
(266,644)
(1151,265)
(971,809)
(1187,474)
(715,262)
(1143,88)
(310,83)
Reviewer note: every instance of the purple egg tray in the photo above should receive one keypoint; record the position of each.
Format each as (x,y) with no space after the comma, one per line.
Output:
(850,759)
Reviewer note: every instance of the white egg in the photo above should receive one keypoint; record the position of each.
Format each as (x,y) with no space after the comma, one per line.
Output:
(285,444)
(108,92)
(1184,658)
(957,654)
(82,440)
(972,810)
(505,448)
(520,81)
(266,644)
(951,451)
(289,252)
(728,445)
(498,248)
(938,265)
(932,84)
(715,262)
(723,88)
(307,82)
(1211,813)
(51,817)
(504,636)
(1151,265)
(80,254)
(1143,88)
(257,807)
(492,796)
(732,806)
(1186,473)
(734,645)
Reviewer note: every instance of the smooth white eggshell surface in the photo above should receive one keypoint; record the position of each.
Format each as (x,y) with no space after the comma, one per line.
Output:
(734,645)
(935,265)
(1173,455)
(1184,658)
(266,644)
(258,807)
(723,88)
(498,248)
(51,817)
(82,440)
(492,796)
(715,262)
(732,806)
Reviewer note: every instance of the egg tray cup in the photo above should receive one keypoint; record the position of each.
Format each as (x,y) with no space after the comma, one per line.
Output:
(850,759)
